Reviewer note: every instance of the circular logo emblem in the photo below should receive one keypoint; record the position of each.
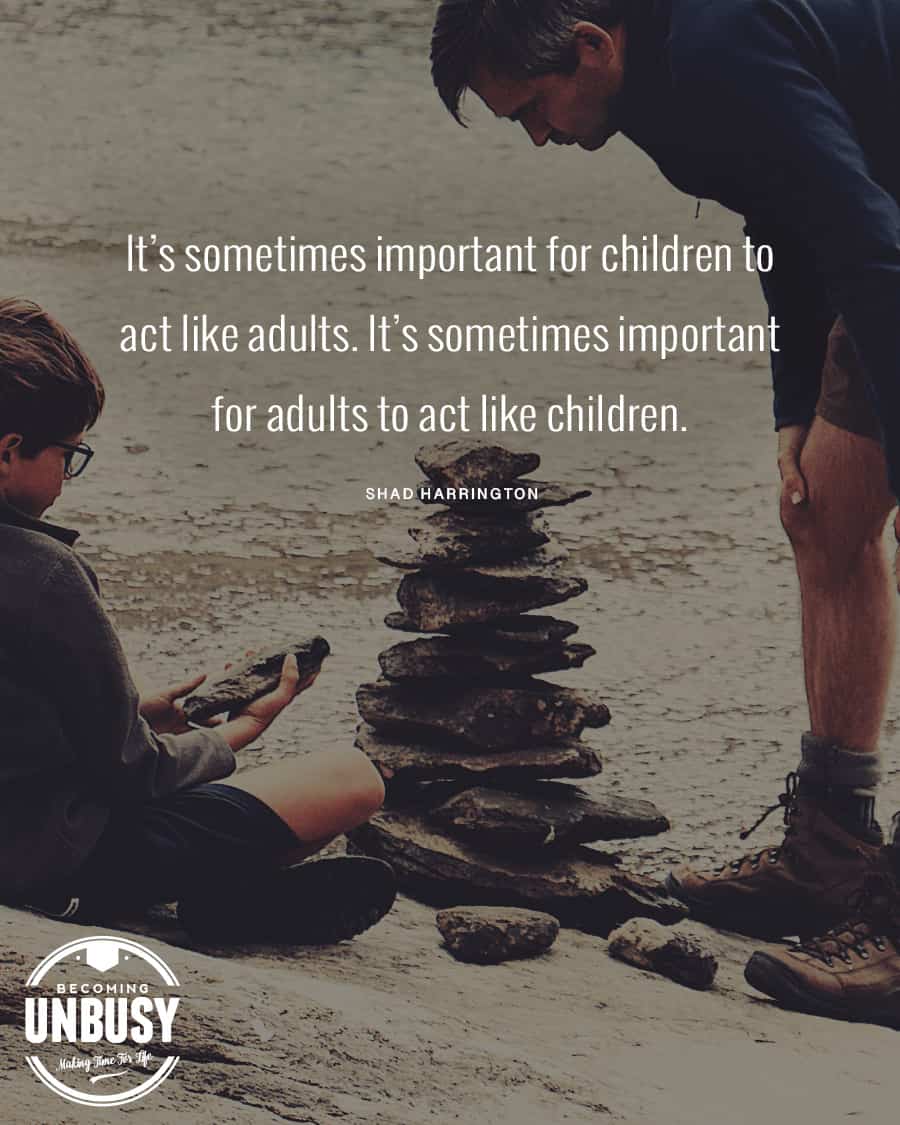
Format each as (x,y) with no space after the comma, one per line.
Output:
(99,1018)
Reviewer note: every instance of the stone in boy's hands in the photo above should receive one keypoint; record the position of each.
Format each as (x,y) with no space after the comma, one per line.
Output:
(256,678)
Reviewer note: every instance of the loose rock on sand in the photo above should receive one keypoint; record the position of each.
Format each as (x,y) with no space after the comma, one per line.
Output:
(675,952)
(488,936)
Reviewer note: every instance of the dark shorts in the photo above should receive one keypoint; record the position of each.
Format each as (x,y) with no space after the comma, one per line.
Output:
(154,852)
(842,399)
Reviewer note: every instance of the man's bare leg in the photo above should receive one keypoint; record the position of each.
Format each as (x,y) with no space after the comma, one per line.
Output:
(846,587)
(848,642)
(802,884)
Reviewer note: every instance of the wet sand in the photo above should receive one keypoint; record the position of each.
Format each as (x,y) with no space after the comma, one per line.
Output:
(239,121)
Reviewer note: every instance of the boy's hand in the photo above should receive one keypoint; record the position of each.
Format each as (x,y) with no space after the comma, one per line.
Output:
(162,710)
(268,707)
(246,725)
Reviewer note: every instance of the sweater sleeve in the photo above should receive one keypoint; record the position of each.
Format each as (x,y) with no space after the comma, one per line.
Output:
(751,85)
(75,655)
(796,299)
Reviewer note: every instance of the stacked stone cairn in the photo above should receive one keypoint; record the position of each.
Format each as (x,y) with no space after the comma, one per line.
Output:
(469,742)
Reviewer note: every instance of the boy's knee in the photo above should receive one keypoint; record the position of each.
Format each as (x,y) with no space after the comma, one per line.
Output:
(361,782)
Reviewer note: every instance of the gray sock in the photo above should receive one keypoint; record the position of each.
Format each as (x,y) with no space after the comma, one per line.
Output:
(844,780)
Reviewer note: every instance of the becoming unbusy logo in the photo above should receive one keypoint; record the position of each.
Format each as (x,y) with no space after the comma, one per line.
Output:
(99,1016)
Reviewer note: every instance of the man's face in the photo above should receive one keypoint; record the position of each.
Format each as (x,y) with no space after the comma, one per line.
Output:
(576,108)
(32,484)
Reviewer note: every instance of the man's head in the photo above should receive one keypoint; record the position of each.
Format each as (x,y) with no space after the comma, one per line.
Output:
(49,395)
(555,66)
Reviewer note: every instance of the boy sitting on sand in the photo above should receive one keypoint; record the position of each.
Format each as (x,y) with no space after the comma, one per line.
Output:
(110,801)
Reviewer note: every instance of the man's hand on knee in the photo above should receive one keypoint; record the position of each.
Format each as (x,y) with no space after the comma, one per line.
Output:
(791,440)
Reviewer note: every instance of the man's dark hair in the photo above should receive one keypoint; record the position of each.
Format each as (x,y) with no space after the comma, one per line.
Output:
(515,38)
(49,389)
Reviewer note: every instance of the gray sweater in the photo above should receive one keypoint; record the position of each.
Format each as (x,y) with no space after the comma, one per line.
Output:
(72,743)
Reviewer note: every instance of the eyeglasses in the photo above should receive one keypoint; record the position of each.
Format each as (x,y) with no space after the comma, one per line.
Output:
(76,457)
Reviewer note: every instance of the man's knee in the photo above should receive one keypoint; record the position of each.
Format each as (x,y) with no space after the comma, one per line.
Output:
(817,529)
(848,500)
(833,538)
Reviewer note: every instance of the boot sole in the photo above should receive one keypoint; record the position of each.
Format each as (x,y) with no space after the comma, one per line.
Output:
(318,902)
(743,922)
(769,975)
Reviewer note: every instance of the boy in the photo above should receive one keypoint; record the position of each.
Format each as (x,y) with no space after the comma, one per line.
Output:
(110,801)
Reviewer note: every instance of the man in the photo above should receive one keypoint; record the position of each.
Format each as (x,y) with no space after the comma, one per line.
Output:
(788,112)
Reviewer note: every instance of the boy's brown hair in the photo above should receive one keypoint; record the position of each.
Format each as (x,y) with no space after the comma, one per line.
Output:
(49,389)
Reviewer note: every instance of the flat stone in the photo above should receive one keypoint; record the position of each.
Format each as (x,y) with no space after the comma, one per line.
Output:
(411,762)
(254,677)
(679,953)
(484,718)
(434,602)
(539,494)
(451,658)
(515,632)
(449,539)
(542,562)
(582,889)
(465,463)
(545,817)
(526,629)
(488,935)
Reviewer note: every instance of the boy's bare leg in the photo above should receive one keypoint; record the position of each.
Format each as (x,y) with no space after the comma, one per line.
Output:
(846,589)
(318,796)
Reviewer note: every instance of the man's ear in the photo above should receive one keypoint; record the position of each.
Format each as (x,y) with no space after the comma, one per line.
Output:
(594,46)
(9,444)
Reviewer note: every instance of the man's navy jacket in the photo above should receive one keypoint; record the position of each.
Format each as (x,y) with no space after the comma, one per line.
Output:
(788,112)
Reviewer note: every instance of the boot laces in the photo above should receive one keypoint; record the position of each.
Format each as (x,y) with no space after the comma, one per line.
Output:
(787,801)
(874,919)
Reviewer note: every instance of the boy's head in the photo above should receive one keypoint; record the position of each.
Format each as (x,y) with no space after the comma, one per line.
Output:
(49,395)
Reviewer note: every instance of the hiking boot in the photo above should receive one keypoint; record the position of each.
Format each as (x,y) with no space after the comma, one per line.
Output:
(851,972)
(317,902)
(800,886)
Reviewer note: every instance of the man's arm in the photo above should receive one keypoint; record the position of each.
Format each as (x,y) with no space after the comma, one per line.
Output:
(748,80)
(73,652)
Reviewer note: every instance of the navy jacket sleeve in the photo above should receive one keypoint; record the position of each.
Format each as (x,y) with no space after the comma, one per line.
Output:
(75,655)
(796,298)
(791,145)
